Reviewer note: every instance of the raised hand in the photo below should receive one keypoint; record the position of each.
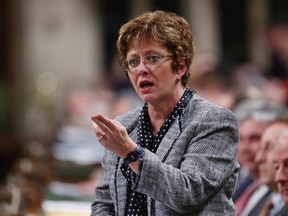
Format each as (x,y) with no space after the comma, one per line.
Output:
(112,135)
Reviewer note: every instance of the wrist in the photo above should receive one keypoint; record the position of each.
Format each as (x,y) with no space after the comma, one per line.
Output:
(134,155)
(131,146)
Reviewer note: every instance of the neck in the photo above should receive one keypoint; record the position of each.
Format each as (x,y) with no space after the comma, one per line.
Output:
(159,112)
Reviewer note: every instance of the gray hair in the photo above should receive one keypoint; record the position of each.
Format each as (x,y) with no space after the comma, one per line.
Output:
(260,110)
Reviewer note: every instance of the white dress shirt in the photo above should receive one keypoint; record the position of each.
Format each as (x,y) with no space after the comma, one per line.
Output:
(254,199)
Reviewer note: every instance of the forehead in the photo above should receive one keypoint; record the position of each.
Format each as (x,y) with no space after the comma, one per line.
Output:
(272,131)
(281,149)
(145,43)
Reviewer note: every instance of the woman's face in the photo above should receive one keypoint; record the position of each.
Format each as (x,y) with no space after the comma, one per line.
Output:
(154,83)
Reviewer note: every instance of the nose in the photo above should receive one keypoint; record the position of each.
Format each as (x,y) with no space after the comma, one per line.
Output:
(142,67)
(281,175)
(244,145)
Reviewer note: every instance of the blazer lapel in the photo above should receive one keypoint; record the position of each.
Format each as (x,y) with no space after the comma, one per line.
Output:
(168,140)
(121,182)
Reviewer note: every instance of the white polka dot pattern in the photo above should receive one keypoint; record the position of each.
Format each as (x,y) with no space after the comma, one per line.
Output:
(136,202)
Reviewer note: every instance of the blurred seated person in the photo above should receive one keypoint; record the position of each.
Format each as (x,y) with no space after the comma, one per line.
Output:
(266,200)
(253,117)
(280,155)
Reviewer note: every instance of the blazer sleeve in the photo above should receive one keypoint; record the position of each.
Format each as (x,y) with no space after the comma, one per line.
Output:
(103,204)
(201,162)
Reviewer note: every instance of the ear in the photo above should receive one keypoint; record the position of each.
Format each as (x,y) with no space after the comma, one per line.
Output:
(182,68)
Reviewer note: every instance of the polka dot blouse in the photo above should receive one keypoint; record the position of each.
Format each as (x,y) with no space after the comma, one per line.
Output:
(136,202)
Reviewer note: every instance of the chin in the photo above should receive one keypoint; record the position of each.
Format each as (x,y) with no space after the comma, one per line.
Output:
(147,99)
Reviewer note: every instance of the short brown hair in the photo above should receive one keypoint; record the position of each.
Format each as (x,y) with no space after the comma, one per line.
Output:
(166,28)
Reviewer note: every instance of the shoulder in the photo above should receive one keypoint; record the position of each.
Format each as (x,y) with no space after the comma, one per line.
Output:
(204,111)
(202,106)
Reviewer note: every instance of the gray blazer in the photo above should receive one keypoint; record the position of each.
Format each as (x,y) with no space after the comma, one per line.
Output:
(192,173)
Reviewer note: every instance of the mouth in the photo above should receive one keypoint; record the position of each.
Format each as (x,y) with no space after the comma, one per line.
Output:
(145,84)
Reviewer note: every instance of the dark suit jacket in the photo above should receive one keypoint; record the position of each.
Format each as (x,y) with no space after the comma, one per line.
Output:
(192,173)
(242,186)
(283,211)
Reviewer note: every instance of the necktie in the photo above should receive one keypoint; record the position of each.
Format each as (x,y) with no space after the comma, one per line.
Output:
(266,207)
(242,201)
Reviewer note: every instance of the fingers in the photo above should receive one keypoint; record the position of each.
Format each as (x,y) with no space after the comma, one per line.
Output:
(109,131)
(99,133)
(100,137)
(102,127)
(103,121)
(107,125)
(112,135)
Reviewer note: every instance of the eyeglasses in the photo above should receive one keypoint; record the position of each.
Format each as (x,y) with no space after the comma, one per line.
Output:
(152,59)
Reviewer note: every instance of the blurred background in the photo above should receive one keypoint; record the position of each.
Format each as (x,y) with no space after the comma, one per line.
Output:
(58,66)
